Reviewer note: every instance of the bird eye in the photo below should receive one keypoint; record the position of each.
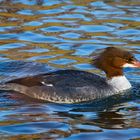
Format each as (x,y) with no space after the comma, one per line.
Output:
(130,59)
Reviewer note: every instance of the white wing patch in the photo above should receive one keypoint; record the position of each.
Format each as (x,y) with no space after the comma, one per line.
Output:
(49,85)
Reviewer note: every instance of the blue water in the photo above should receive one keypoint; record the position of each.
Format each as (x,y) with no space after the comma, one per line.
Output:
(38,36)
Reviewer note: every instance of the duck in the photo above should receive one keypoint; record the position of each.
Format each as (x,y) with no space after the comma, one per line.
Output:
(76,86)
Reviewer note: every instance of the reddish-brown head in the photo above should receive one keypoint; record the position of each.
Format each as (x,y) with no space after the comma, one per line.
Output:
(112,60)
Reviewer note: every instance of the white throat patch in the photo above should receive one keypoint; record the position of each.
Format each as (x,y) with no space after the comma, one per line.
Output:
(128,65)
(119,83)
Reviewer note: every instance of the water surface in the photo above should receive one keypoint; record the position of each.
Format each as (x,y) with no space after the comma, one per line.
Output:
(37,36)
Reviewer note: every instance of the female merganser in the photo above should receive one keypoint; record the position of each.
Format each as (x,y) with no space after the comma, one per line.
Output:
(74,86)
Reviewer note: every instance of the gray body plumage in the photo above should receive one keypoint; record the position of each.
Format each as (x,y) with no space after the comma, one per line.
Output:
(63,86)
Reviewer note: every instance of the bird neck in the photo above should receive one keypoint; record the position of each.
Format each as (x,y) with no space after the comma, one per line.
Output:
(119,83)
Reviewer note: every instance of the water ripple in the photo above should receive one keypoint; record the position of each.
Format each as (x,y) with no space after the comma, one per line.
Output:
(38,36)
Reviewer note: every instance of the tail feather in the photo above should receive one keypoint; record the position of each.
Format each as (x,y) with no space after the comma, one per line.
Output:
(13,87)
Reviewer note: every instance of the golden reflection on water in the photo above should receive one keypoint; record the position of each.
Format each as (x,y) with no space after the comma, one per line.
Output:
(15,20)
(65,34)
